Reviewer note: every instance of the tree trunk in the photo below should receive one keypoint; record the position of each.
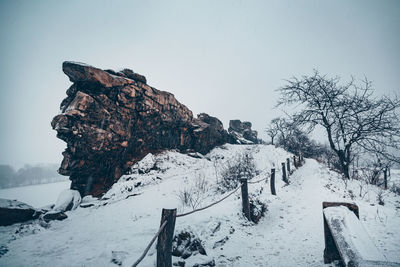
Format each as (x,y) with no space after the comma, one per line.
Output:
(385,180)
(344,163)
(346,170)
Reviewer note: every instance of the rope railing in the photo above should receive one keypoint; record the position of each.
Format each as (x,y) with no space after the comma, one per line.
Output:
(256,182)
(208,206)
(150,244)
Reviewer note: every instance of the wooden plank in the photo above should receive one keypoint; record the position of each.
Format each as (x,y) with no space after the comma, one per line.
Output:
(353,242)
(351,206)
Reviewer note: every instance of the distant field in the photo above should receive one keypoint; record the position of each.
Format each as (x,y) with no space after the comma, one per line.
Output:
(36,195)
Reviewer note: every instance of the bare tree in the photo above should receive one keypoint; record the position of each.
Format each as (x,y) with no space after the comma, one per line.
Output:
(289,136)
(272,132)
(351,116)
(278,128)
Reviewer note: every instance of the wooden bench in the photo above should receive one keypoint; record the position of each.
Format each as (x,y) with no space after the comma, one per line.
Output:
(346,239)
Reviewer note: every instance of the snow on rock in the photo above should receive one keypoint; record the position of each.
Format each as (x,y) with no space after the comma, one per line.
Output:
(185,244)
(13,211)
(67,200)
(54,215)
(88,199)
(13,204)
(243,132)
(146,164)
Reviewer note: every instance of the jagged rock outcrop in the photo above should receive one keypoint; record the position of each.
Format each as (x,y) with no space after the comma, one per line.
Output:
(110,120)
(242,132)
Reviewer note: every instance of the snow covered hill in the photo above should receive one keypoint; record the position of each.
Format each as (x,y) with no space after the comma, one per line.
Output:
(117,228)
(36,195)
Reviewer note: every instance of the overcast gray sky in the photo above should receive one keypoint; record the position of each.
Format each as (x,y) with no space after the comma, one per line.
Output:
(225,58)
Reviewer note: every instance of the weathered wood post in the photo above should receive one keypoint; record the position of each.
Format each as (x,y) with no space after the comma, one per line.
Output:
(245,198)
(272,183)
(284,177)
(385,172)
(331,252)
(294,162)
(288,165)
(164,243)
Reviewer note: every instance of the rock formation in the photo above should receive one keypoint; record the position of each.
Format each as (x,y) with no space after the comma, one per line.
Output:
(242,132)
(13,211)
(110,120)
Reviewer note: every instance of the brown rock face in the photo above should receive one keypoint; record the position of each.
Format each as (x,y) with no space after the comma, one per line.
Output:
(111,119)
(242,132)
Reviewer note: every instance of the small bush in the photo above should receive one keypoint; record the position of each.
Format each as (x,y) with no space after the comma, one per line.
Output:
(380,197)
(192,196)
(257,210)
(330,158)
(395,189)
(242,168)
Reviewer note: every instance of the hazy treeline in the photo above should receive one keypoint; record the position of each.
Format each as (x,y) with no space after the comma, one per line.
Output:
(29,175)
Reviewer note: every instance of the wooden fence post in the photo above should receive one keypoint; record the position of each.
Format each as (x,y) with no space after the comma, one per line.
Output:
(245,198)
(288,166)
(164,243)
(385,178)
(284,177)
(294,162)
(272,183)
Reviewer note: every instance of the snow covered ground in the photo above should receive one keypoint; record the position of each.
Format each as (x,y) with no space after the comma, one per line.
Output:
(36,195)
(117,228)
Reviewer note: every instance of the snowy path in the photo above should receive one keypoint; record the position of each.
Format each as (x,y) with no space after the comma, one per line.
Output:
(292,232)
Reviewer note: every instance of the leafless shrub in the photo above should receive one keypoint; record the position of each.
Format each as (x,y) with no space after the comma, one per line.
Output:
(363,191)
(395,189)
(185,196)
(242,167)
(192,196)
(257,210)
(374,172)
(201,184)
(380,197)
(351,194)
(258,206)
(216,163)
